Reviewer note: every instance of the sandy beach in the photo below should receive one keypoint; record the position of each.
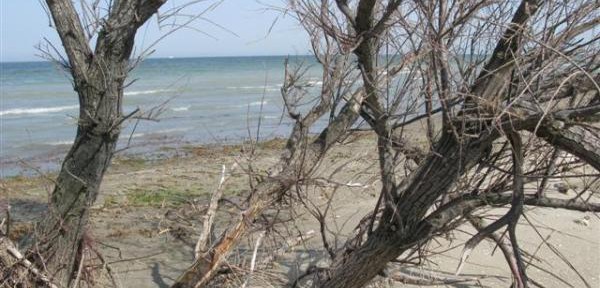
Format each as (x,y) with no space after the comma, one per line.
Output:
(149,214)
(330,144)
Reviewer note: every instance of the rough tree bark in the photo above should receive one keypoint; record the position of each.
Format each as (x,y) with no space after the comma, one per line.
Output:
(98,77)
(450,158)
(573,139)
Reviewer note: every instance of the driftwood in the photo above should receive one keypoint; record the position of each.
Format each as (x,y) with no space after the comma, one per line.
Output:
(16,270)
(209,218)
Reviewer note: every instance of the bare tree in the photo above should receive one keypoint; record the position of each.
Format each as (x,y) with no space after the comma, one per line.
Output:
(510,84)
(301,154)
(98,75)
(497,105)
(509,94)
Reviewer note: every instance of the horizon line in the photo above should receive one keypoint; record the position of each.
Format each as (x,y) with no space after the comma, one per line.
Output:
(180,57)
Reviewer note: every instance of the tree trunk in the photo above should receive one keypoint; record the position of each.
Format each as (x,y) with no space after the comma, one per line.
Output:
(98,77)
(391,238)
(576,140)
(61,233)
(402,219)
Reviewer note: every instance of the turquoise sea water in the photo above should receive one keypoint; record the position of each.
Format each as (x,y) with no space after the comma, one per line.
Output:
(208,100)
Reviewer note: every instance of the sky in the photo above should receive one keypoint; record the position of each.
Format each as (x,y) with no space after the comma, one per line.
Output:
(24,24)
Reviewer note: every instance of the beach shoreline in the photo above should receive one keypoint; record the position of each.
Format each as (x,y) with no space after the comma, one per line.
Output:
(154,146)
(151,210)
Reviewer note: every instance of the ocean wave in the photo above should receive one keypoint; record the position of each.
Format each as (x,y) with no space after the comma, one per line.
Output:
(405,71)
(258,87)
(60,143)
(251,104)
(257,103)
(172,130)
(39,110)
(181,108)
(136,135)
(145,92)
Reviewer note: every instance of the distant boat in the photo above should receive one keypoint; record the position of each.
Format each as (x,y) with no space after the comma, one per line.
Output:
(171,57)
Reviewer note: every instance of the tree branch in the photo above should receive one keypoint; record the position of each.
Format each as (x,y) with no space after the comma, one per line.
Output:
(72,35)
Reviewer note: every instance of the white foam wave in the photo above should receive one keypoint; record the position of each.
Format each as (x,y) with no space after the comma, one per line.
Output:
(59,143)
(39,110)
(182,108)
(145,92)
(258,103)
(252,104)
(242,87)
(404,71)
(261,87)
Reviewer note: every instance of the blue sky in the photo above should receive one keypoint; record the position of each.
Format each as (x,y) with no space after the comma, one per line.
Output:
(23,24)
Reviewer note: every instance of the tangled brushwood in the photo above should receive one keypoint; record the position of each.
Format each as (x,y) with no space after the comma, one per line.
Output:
(507,94)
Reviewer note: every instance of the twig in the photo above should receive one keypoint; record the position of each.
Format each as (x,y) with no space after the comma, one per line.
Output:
(253,262)
(290,243)
(428,279)
(76,280)
(17,255)
(210,213)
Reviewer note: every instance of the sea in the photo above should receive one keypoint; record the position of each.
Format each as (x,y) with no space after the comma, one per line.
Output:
(194,101)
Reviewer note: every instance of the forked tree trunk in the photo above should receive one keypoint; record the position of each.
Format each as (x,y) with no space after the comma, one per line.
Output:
(402,219)
(98,77)
(358,265)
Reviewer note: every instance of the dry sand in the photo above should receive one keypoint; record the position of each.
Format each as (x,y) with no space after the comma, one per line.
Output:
(150,212)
